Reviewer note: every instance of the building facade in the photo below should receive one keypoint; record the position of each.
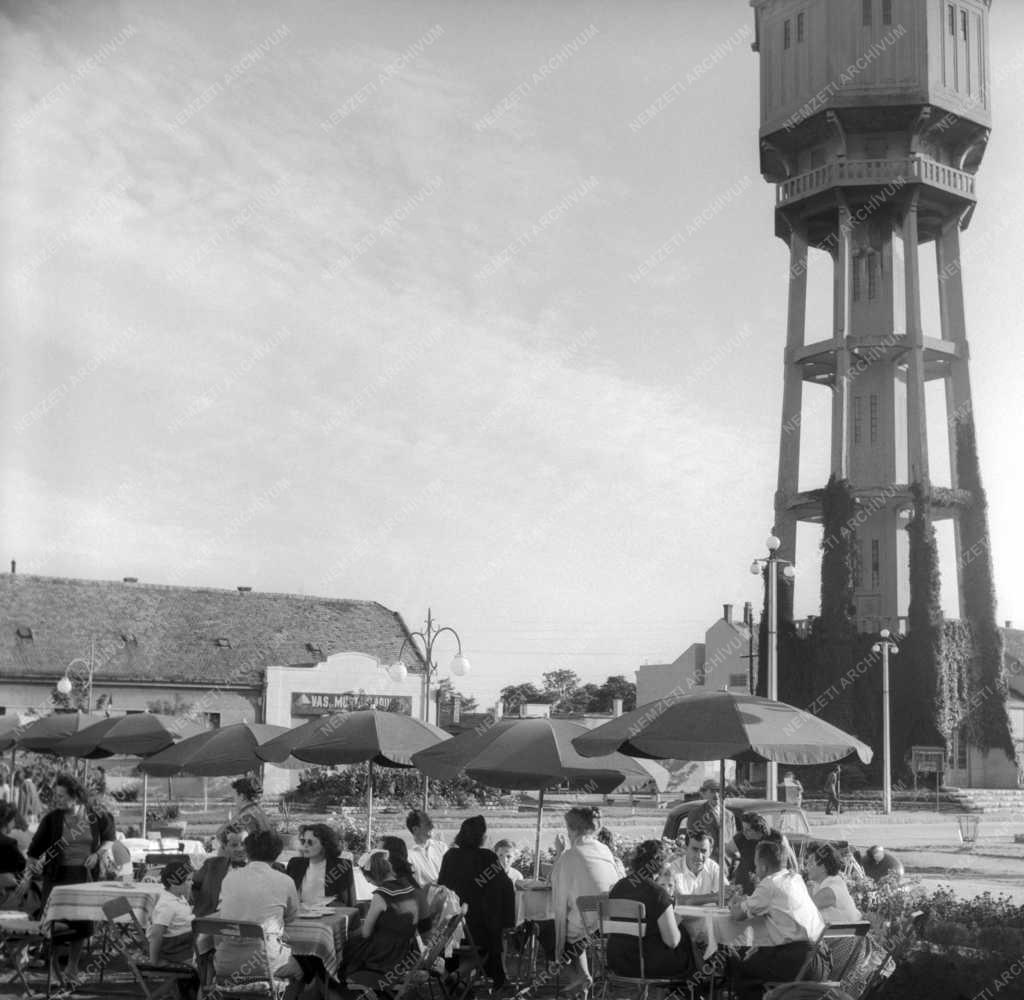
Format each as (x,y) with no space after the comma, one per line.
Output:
(215,656)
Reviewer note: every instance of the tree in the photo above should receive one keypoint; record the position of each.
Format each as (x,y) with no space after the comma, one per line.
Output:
(519,694)
(560,686)
(612,688)
(446,690)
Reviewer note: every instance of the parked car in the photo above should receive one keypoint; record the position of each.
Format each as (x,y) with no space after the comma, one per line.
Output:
(785,817)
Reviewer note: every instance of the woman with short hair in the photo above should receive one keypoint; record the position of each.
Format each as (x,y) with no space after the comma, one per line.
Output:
(247,798)
(320,872)
(828,887)
(667,950)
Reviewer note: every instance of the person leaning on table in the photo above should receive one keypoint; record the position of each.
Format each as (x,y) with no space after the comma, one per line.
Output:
(789,920)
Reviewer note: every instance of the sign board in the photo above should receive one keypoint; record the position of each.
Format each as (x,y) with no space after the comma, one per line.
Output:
(927,760)
(311,703)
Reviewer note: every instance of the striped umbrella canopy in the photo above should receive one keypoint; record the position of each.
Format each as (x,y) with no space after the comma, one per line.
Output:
(46,734)
(228,750)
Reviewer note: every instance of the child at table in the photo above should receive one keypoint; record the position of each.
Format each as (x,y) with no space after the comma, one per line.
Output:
(170,932)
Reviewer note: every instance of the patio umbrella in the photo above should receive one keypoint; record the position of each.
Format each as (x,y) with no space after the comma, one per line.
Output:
(10,728)
(716,725)
(228,750)
(530,755)
(386,738)
(45,734)
(138,735)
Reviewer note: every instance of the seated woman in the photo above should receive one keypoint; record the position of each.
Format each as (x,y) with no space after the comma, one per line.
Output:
(585,868)
(387,934)
(828,887)
(258,894)
(667,951)
(753,829)
(12,861)
(477,877)
(320,872)
(207,881)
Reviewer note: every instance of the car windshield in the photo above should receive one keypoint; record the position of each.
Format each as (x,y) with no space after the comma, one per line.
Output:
(791,821)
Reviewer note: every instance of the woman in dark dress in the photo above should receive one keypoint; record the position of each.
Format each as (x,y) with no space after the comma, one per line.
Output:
(667,951)
(66,851)
(387,936)
(12,861)
(320,872)
(475,874)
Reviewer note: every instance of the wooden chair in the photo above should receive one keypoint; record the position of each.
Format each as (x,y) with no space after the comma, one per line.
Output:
(257,982)
(628,918)
(127,937)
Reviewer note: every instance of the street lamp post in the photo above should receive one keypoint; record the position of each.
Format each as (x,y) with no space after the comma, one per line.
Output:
(887,648)
(772,563)
(66,685)
(459,666)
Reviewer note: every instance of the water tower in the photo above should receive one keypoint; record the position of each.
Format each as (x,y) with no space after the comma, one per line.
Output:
(874,120)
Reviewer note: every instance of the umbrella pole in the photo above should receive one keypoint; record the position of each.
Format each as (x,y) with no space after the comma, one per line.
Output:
(145,802)
(536,853)
(721,832)
(369,804)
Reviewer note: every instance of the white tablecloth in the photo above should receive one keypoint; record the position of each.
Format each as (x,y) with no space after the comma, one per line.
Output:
(533,901)
(716,926)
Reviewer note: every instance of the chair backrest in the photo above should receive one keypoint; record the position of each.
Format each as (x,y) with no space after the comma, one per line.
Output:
(239,930)
(590,913)
(430,955)
(627,917)
(847,943)
(117,908)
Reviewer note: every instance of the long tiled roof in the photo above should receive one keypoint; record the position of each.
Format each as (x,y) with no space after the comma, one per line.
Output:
(152,633)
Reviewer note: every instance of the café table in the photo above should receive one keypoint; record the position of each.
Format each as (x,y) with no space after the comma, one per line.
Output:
(85,900)
(716,926)
(533,900)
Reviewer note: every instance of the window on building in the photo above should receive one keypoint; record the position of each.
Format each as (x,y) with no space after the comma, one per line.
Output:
(886,11)
(858,565)
(24,632)
(739,680)
(858,418)
(211,720)
(866,6)
(960,749)
(876,566)
(873,416)
(800,27)
(787,30)
(951,14)
(856,276)
(963,25)
(3,709)
(873,263)
(817,157)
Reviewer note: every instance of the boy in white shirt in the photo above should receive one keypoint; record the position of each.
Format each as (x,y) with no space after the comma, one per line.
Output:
(170,932)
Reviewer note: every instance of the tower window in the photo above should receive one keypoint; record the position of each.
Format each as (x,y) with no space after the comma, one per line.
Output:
(951,13)
(873,261)
(858,418)
(963,24)
(858,565)
(800,27)
(786,33)
(866,13)
(886,11)
(875,565)
(855,265)
(874,418)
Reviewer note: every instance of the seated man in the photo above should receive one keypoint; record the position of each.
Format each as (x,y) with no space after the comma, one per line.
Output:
(257,894)
(790,922)
(695,876)
(878,863)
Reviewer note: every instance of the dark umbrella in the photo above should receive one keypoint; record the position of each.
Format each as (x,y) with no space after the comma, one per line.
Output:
(46,734)
(386,738)
(228,750)
(138,735)
(716,725)
(529,754)
(10,729)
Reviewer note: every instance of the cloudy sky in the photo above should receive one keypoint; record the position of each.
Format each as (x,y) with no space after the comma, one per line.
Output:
(343,298)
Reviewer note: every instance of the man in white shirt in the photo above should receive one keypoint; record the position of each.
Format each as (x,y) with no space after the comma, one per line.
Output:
(789,921)
(426,853)
(694,875)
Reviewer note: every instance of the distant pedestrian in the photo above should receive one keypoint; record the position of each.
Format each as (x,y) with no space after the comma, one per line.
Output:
(832,791)
(792,788)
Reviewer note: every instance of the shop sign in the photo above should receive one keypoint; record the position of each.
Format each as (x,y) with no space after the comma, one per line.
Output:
(308,703)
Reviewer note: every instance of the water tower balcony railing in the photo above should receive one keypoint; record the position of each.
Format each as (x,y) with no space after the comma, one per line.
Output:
(850,173)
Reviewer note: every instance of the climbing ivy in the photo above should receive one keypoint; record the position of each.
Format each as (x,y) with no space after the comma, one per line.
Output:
(988,724)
